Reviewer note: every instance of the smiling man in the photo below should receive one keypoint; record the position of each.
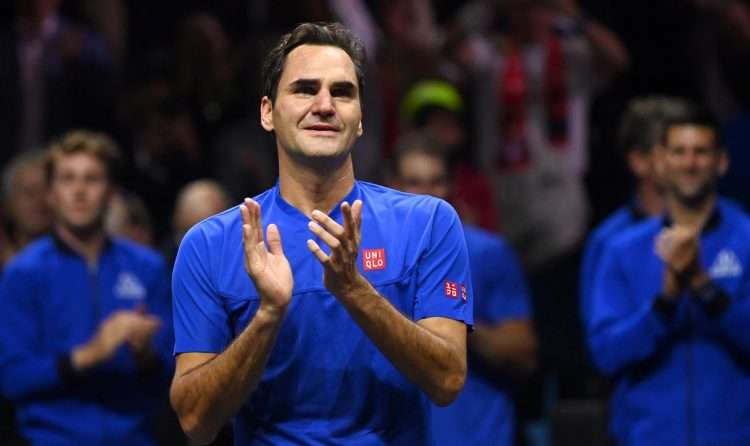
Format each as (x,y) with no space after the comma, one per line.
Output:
(85,321)
(671,302)
(341,331)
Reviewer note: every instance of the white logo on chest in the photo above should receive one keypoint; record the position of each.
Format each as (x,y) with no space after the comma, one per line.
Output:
(726,265)
(129,287)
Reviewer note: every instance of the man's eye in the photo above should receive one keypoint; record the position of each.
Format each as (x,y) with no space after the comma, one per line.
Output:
(342,92)
(307,90)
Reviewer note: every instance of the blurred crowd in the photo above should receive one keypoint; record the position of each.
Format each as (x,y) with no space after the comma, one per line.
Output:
(535,119)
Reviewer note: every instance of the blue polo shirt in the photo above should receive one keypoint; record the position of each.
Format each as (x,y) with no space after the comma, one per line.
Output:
(325,381)
(51,301)
(679,378)
(483,413)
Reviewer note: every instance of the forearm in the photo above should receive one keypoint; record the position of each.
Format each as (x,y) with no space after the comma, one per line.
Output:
(431,362)
(207,395)
(510,346)
(624,340)
(611,54)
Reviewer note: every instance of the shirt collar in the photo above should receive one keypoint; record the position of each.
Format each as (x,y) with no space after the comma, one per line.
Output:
(713,222)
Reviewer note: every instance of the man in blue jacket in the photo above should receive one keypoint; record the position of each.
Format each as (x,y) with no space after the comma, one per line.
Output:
(503,346)
(671,302)
(640,131)
(85,326)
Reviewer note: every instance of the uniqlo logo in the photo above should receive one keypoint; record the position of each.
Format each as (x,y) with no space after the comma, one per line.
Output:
(373,259)
(451,290)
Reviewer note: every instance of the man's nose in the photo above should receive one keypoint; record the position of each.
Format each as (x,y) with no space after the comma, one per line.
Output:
(323,103)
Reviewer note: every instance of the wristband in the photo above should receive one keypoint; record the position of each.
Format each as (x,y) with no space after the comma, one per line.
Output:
(712,298)
(665,306)
(66,370)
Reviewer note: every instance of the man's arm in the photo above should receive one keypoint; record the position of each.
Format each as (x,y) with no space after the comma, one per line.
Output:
(508,345)
(25,371)
(431,353)
(623,330)
(209,388)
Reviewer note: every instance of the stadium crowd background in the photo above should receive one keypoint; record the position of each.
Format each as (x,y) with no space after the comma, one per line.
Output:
(175,83)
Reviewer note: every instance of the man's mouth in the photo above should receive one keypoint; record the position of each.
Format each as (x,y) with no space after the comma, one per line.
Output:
(322,128)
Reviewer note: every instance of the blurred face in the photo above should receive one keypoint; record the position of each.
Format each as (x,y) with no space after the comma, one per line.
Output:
(690,163)
(317,113)
(27,201)
(420,173)
(80,193)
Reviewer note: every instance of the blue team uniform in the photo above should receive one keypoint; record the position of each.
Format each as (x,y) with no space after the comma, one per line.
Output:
(52,302)
(483,413)
(681,377)
(617,222)
(325,381)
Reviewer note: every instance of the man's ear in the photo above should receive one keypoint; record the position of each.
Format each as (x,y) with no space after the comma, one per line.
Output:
(360,130)
(723,161)
(266,114)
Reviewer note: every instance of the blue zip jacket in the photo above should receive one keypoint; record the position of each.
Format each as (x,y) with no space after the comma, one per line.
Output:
(681,378)
(52,302)
(483,413)
(617,222)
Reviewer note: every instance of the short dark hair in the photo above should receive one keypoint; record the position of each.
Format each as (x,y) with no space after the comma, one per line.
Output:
(96,144)
(328,34)
(696,116)
(643,123)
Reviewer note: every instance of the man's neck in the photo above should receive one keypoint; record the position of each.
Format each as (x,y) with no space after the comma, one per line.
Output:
(308,188)
(89,246)
(694,217)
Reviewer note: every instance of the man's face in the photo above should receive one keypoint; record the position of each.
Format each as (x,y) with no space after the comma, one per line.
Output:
(317,111)
(420,173)
(80,192)
(27,200)
(691,163)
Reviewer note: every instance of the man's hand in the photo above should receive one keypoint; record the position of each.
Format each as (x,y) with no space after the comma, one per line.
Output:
(139,341)
(117,329)
(679,248)
(268,268)
(341,273)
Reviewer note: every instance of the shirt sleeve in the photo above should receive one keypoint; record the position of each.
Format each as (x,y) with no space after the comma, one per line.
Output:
(504,291)
(201,323)
(25,372)
(591,257)
(443,275)
(622,330)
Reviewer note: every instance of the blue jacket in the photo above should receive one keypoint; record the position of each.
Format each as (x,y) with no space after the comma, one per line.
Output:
(682,377)
(483,413)
(615,223)
(52,302)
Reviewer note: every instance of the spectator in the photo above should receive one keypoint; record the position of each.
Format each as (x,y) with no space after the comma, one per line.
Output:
(438,108)
(670,305)
(127,217)
(56,76)
(196,201)
(85,331)
(641,130)
(533,90)
(26,213)
(502,347)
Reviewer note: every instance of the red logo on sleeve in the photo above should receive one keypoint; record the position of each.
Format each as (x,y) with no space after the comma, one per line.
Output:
(373,259)
(451,290)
